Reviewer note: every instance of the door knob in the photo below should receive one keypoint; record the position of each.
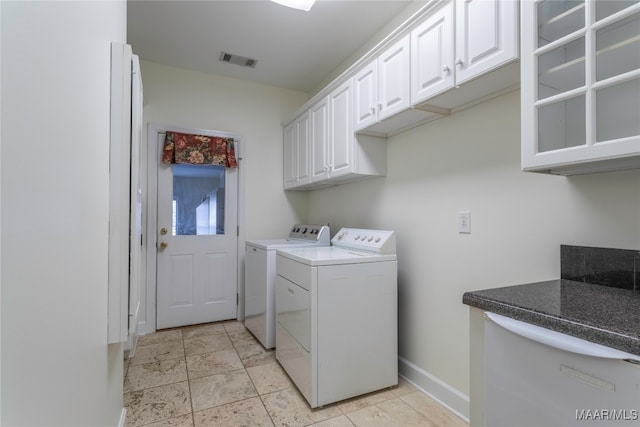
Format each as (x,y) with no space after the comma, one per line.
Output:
(163,245)
(163,231)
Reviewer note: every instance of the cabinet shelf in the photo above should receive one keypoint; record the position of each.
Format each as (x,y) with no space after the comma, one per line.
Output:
(559,78)
(560,25)
(618,47)
(610,61)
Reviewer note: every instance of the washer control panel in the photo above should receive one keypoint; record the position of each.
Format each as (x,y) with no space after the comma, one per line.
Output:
(310,233)
(377,241)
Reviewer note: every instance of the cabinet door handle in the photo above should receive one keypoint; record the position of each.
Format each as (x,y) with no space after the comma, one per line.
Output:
(373,110)
(446,69)
(558,340)
(459,62)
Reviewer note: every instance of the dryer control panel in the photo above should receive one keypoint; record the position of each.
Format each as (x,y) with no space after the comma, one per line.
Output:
(310,233)
(376,241)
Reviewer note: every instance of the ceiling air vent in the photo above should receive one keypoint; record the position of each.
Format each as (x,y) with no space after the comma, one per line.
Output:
(243,61)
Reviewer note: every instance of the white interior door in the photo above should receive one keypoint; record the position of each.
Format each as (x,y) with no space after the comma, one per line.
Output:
(135,218)
(197,256)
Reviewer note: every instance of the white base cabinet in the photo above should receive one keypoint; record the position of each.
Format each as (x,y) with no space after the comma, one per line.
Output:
(580,86)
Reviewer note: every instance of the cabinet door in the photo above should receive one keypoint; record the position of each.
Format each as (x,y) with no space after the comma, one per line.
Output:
(290,156)
(393,79)
(319,122)
(486,36)
(341,137)
(365,85)
(302,150)
(432,55)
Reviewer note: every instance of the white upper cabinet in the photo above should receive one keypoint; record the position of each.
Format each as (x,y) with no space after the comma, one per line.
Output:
(432,55)
(383,89)
(332,138)
(290,141)
(393,79)
(580,86)
(296,152)
(460,42)
(341,137)
(365,85)
(336,154)
(319,127)
(350,156)
(486,36)
(302,150)
(449,55)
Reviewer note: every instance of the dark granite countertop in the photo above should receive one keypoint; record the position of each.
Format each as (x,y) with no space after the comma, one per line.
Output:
(601,314)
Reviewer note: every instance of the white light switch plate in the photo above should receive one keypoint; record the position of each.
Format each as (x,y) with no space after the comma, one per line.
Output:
(464,222)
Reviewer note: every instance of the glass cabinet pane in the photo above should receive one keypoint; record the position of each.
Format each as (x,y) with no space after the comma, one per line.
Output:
(561,69)
(562,124)
(618,48)
(606,8)
(618,111)
(557,19)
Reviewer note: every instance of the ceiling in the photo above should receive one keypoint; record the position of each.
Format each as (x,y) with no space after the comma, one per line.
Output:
(294,49)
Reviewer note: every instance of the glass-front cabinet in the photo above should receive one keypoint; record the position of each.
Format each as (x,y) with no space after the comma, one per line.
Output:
(580,85)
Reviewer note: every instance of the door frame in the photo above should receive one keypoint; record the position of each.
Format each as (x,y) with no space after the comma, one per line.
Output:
(153,157)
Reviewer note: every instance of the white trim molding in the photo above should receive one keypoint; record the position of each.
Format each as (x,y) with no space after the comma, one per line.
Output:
(448,396)
(123,418)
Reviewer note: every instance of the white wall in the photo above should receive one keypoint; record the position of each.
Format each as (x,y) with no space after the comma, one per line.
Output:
(0,217)
(188,99)
(57,368)
(471,161)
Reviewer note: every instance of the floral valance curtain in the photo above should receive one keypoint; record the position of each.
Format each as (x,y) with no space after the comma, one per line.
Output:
(199,150)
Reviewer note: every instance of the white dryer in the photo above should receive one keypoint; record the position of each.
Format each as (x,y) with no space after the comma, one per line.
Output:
(337,315)
(260,277)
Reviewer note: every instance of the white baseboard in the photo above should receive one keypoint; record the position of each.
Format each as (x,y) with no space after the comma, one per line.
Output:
(142,327)
(123,418)
(446,395)
(132,342)
(130,347)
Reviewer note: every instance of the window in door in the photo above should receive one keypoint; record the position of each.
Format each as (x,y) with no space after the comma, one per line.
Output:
(198,199)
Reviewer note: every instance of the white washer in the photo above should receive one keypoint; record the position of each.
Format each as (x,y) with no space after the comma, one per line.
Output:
(337,315)
(260,277)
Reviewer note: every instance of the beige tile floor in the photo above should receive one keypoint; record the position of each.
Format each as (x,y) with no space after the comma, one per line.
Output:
(218,374)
